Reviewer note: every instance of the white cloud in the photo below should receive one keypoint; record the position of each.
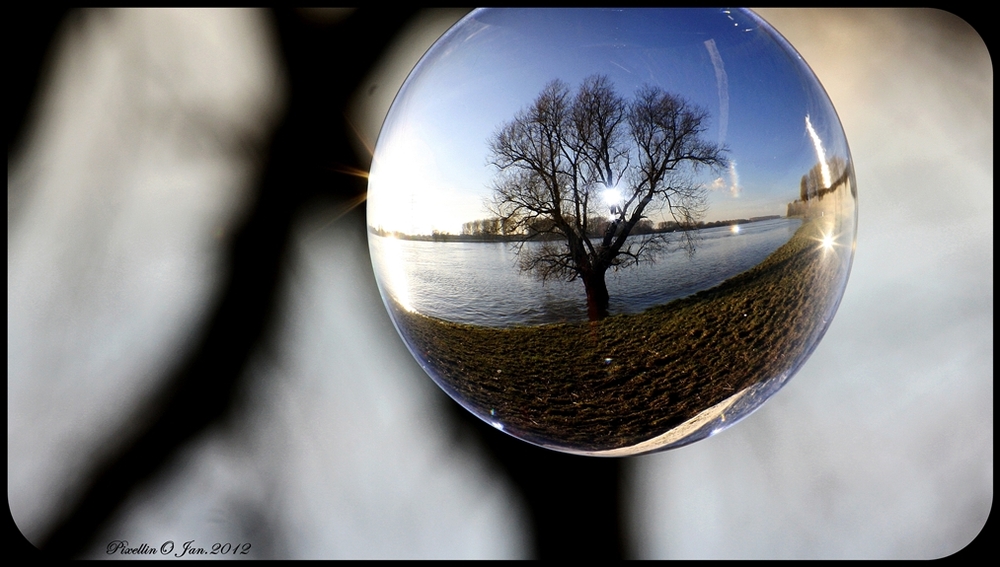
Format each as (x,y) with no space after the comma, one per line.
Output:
(730,182)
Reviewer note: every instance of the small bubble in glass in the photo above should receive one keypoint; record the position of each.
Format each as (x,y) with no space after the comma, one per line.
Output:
(610,232)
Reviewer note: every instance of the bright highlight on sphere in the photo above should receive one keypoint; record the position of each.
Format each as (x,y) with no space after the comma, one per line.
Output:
(597,229)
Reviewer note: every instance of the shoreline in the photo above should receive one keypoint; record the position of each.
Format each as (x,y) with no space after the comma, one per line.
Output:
(613,384)
(448,237)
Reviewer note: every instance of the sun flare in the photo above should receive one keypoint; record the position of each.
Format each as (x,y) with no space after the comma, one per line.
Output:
(827,241)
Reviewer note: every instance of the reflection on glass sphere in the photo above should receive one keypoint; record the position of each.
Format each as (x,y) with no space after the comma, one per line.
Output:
(610,232)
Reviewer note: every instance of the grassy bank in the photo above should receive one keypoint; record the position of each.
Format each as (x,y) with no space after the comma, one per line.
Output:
(629,378)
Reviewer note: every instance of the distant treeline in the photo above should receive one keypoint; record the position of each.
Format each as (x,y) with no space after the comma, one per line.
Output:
(811,187)
(491,230)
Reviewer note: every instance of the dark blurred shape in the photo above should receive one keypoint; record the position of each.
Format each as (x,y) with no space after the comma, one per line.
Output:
(30,32)
(573,500)
(306,152)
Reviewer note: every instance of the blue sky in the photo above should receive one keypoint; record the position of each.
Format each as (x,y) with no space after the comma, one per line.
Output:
(430,169)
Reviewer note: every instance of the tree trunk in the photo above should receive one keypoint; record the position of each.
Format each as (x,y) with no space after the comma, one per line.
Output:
(597,296)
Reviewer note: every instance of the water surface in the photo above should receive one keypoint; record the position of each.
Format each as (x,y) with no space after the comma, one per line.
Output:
(480,283)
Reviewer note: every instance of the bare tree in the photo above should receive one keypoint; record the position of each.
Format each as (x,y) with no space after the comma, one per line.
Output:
(566,161)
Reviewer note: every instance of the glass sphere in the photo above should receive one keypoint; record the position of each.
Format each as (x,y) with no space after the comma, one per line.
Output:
(611,231)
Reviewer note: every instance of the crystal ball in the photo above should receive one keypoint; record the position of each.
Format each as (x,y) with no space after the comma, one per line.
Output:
(611,231)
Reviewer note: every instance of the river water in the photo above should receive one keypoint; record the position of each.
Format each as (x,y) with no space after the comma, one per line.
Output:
(479,282)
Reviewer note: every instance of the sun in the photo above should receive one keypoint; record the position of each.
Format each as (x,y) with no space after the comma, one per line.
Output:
(827,241)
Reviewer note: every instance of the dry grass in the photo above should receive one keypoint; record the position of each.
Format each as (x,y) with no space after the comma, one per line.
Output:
(628,378)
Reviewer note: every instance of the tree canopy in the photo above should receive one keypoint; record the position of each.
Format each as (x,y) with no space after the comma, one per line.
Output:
(582,170)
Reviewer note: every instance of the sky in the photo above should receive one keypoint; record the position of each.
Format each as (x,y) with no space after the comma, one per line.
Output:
(430,169)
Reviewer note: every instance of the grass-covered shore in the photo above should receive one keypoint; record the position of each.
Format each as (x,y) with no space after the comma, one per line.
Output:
(629,378)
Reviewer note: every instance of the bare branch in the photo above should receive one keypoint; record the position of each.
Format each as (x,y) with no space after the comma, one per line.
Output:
(557,156)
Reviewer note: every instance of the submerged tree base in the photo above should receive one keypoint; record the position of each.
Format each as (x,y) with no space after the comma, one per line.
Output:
(629,378)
